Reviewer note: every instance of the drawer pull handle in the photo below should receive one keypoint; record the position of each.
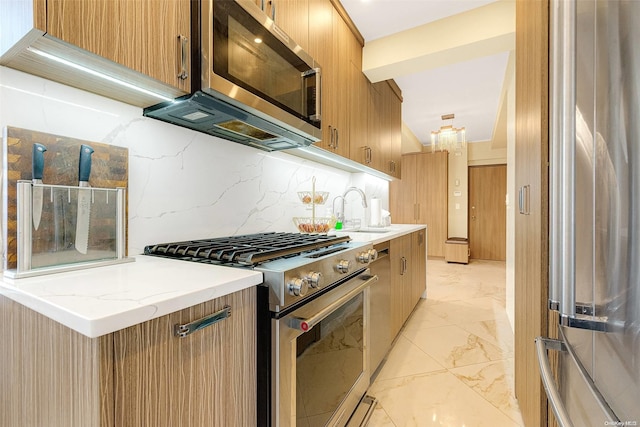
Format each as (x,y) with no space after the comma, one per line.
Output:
(186,329)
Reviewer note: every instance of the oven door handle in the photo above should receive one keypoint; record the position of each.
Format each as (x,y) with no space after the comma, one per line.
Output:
(305,324)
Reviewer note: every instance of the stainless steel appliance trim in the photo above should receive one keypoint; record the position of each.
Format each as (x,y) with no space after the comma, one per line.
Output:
(317,72)
(555,125)
(364,412)
(567,161)
(283,360)
(186,329)
(559,410)
(305,324)
(220,87)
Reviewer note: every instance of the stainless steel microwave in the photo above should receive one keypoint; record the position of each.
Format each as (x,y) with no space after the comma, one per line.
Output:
(257,86)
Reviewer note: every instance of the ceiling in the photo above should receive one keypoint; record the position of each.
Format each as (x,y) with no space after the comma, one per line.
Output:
(447,56)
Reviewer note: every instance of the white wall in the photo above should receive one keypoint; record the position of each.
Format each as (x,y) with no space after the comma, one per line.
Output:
(182,184)
(458,188)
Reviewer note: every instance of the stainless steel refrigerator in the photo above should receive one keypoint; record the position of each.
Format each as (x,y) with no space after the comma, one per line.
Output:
(594,213)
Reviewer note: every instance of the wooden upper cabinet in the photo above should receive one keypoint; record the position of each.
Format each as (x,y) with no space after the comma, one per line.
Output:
(389,109)
(147,36)
(331,44)
(321,49)
(292,16)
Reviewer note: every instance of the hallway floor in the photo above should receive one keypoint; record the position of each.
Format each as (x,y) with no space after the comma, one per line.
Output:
(452,364)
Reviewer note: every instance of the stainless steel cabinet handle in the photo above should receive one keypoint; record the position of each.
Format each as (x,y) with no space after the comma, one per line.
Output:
(523,199)
(562,416)
(273,11)
(330,136)
(473,212)
(337,139)
(184,57)
(186,329)
(308,323)
(403,266)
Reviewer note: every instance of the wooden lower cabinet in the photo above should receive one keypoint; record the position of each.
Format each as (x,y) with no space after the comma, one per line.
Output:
(408,276)
(140,376)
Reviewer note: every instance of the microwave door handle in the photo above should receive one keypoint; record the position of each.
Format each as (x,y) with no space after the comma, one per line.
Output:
(306,324)
(317,73)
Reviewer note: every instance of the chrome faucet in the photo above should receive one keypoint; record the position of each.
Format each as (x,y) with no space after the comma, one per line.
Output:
(340,216)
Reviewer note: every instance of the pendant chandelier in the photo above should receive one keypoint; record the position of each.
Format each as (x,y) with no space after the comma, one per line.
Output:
(447,137)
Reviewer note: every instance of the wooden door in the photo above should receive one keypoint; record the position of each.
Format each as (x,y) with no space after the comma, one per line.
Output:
(531,228)
(487,212)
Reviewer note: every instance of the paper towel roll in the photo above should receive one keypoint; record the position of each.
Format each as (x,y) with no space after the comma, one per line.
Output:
(376,213)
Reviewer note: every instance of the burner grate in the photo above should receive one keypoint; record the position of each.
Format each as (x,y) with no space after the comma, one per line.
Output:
(249,249)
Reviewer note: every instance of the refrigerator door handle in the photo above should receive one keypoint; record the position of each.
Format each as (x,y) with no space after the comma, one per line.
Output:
(553,394)
(551,389)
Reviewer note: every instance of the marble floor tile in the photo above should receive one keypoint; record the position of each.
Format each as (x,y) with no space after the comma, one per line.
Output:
(465,311)
(452,346)
(405,359)
(494,382)
(380,418)
(424,317)
(497,332)
(436,399)
(452,364)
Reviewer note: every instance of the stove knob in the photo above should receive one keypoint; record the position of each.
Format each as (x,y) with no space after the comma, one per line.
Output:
(343,266)
(298,287)
(364,257)
(315,279)
(373,255)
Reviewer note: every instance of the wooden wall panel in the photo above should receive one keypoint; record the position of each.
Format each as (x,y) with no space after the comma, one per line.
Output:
(51,375)
(531,231)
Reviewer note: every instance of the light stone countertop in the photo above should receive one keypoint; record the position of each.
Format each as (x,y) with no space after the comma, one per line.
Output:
(382,234)
(101,300)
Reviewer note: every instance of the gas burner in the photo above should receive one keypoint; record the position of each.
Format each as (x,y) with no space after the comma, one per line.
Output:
(245,250)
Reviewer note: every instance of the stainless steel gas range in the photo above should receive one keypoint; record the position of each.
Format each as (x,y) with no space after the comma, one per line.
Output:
(313,316)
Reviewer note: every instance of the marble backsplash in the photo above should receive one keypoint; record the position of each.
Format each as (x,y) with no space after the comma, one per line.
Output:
(182,184)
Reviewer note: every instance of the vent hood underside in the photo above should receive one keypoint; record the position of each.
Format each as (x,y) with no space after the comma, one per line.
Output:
(212,115)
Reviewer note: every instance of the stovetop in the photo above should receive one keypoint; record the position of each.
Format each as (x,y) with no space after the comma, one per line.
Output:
(294,266)
(245,250)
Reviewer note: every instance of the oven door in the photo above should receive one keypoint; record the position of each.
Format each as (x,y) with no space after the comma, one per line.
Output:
(320,366)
